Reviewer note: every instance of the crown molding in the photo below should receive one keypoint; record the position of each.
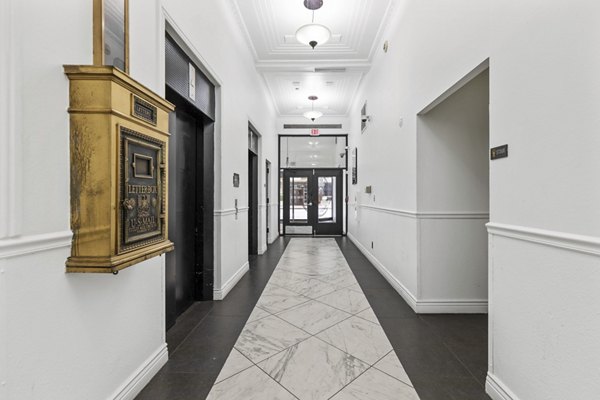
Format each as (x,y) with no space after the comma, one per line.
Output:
(242,26)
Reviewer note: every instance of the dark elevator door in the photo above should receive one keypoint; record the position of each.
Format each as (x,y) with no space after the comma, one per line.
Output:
(185,227)
(187,174)
(190,267)
(252,203)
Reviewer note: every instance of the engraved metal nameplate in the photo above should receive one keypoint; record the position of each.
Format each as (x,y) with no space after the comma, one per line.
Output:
(143,110)
(141,190)
(499,152)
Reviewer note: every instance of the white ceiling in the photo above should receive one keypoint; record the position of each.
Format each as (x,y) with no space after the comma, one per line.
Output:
(289,67)
(291,91)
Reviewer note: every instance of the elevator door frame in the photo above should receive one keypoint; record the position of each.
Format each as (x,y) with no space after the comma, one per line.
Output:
(202,108)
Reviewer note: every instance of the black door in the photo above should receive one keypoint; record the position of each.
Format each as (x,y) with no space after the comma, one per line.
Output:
(267,198)
(183,177)
(312,201)
(189,268)
(327,201)
(252,203)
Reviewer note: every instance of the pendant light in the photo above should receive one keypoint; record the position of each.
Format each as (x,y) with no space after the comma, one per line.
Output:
(312,114)
(313,34)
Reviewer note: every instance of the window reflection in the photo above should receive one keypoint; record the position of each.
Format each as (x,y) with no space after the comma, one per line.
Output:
(114,33)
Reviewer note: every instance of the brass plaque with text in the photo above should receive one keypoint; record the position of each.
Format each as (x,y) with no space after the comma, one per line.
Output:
(141,190)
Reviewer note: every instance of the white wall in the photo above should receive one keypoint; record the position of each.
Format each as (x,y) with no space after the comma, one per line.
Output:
(432,45)
(544,234)
(91,336)
(545,231)
(67,336)
(453,198)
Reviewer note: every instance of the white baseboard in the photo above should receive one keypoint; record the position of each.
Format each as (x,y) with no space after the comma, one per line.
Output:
(396,284)
(143,375)
(437,306)
(262,250)
(497,390)
(220,294)
(452,306)
(273,238)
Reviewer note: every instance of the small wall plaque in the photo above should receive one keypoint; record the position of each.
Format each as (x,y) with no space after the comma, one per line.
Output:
(236,180)
(144,110)
(499,152)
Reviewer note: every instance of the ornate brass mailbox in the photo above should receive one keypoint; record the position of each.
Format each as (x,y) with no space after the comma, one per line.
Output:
(119,140)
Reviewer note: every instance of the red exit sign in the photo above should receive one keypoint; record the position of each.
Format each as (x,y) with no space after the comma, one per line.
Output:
(314,132)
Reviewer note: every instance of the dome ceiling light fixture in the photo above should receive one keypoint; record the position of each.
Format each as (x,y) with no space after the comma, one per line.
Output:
(313,34)
(312,114)
(313,4)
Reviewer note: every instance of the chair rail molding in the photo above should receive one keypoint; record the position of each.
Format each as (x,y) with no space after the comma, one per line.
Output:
(428,214)
(567,241)
(230,211)
(10,148)
(25,245)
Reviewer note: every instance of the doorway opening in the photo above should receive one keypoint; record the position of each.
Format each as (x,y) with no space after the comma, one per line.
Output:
(253,139)
(453,199)
(312,184)
(189,271)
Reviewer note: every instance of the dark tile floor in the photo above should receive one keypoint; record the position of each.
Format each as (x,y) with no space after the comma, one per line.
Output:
(444,355)
(204,335)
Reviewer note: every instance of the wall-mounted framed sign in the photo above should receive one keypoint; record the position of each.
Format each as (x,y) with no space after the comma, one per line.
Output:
(355,165)
(111,33)
(236,180)
(499,152)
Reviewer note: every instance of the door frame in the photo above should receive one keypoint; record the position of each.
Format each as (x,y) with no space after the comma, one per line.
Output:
(252,203)
(205,184)
(267,199)
(312,219)
(344,177)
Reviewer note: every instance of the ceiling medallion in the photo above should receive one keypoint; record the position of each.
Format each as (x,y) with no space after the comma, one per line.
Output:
(313,34)
(312,114)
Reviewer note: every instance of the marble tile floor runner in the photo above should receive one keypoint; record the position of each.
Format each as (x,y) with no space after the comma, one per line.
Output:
(312,336)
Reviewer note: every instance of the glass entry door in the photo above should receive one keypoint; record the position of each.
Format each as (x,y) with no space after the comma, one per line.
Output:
(312,201)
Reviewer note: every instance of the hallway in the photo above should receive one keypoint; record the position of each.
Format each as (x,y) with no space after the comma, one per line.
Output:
(160,159)
(313,323)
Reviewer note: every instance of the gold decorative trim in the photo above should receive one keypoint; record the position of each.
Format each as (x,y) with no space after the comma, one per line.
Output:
(110,73)
(98,33)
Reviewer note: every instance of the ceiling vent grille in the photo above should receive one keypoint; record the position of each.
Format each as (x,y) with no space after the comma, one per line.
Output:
(312,126)
(330,69)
